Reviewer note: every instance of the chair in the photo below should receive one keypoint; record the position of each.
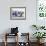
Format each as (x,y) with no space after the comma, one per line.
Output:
(25,43)
(14,32)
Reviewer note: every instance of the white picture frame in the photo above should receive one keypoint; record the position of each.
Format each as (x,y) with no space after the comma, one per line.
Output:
(17,13)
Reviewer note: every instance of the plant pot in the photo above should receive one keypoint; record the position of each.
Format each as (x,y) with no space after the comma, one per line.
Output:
(40,41)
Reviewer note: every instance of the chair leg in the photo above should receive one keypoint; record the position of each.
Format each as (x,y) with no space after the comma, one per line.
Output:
(5,40)
(5,43)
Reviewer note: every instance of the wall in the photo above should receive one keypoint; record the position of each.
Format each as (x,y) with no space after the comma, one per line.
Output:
(24,25)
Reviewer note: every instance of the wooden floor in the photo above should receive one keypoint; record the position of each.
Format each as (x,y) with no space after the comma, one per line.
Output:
(13,44)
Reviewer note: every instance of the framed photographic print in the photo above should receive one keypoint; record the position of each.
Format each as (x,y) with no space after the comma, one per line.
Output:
(17,13)
(41,8)
(41,12)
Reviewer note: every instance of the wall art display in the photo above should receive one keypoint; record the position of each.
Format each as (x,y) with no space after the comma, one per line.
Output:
(17,13)
(41,8)
(41,12)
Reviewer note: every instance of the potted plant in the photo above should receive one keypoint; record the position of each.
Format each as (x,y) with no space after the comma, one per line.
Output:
(38,27)
(35,26)
(39,35)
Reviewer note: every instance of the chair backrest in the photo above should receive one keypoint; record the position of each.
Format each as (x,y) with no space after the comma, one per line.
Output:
(14,30)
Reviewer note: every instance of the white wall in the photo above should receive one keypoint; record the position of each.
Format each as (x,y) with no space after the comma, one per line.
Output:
(24,25)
